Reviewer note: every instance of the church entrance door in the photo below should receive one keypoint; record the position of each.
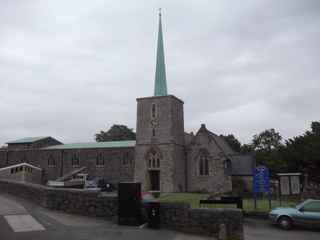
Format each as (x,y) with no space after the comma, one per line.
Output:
(154,176)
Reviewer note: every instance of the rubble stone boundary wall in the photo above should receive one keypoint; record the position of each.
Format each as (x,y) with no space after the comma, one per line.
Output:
(78,201)
(219,223)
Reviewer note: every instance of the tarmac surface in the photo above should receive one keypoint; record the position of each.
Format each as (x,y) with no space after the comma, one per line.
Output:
(20,220)
(257,229)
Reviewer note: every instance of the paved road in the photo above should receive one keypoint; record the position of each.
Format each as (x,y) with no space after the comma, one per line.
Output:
(256,229)
(20,220)
(33,222)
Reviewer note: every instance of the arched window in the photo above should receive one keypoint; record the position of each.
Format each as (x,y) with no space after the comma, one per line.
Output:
(153,160)
(75,160)
(51,161)
(153,110)
(203,165)
(228,166)
(125,158)
(100,160)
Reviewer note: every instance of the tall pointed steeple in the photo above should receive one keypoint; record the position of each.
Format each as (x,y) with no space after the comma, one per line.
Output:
(160,85)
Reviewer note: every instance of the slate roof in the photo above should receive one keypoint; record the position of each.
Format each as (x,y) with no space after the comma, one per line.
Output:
(222,144)
(111,144)
(242,165)
(27,140)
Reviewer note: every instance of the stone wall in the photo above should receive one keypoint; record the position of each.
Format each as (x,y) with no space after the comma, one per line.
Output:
(217,181)
(168,121)
(3,158)
(77,201)
(161,131)
(118,162)
(219,223)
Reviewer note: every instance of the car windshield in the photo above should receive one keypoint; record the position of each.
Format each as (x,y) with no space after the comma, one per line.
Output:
(300,205)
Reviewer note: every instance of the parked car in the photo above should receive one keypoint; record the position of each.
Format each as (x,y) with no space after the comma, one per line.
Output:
(105,186)
(306,214)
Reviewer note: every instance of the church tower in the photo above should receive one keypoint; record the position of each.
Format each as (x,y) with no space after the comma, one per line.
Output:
(160,158)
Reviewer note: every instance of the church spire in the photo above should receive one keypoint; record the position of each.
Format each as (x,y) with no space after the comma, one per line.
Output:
(160,85)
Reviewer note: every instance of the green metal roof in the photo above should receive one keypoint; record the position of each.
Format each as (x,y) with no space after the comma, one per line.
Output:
(27,140)
(160,85)
(113,144)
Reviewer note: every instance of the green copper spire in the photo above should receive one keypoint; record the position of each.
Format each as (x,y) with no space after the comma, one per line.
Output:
(160,85)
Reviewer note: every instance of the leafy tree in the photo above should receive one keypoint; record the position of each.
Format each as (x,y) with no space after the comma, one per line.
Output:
(116,133)
(232,141)
(298,154)
(266,146)
(302,153)
(246,148)
(315,128)
(267,140)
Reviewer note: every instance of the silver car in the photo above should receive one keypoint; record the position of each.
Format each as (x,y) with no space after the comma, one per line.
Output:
(305,214)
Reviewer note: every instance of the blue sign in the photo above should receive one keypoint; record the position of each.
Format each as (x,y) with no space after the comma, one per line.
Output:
(261,179)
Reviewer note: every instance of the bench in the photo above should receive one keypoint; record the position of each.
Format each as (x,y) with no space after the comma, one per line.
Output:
(224,200)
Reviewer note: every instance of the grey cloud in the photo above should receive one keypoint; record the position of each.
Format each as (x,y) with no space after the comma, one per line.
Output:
(69,69)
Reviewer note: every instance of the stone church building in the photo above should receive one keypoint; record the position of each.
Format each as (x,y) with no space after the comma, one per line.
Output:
(163,158)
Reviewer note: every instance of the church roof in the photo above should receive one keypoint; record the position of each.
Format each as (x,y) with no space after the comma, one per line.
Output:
(222,144)
(160,84)
(242,165)
(27,140)
(110,144)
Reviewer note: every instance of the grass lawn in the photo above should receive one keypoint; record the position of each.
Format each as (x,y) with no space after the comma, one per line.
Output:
(248,205)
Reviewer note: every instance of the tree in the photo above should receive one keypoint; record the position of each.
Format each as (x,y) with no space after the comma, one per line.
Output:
(315,128)
(246,148)
(116,133)
(266,146)
(232,141)
(302,153)
(267,140)
(297,154)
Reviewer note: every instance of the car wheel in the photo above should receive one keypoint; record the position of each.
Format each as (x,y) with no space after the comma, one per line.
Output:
(285,223)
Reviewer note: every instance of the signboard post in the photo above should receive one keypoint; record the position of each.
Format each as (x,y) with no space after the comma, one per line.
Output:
(289,184)
(261,183)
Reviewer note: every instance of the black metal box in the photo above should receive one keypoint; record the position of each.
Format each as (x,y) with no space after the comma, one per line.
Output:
(129,207)
(153,210)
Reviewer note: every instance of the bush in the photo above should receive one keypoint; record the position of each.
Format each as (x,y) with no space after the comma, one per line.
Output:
(156,194)
(238,186)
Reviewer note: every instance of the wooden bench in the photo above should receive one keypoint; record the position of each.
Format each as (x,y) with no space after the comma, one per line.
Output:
(224,200)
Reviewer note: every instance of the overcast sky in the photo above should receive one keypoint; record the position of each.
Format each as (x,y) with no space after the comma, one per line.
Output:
(71,68)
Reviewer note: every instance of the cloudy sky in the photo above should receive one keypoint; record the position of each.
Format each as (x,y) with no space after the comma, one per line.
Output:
(71,68)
